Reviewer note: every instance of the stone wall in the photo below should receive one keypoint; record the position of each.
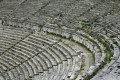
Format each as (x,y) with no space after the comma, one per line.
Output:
(21,23)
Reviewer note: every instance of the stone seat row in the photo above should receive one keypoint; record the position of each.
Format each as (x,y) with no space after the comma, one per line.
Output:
(110,67)
(111,43)
(100,10)
(8,37)
(6,6)
(24,54)
(98,50)
(91,44)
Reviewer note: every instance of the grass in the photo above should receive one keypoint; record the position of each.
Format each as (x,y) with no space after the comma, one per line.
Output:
(107,50)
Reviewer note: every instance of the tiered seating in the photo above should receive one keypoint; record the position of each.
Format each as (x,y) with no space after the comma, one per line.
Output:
(7,6)
(92,44)
(37,55)
(28,8)
(113,48)
(52,10)
(65,51)
(70,15)
(100,58)
(10,36)
(107,21)
(112,67)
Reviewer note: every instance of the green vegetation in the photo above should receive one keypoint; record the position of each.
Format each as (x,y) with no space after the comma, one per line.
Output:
(111,54)
(94,57)
(111,47)
(107,50)
(90,31)
(83,21)
(116,43)
(57,35)
(106,58)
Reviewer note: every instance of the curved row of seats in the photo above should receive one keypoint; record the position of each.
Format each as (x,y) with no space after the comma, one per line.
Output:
(38,57)
(10,36)
(111,67)
(7,6)
(81,37)
(31,7)
(108,36)
(92,44)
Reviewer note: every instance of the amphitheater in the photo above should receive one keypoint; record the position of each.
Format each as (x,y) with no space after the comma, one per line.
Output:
(59,39)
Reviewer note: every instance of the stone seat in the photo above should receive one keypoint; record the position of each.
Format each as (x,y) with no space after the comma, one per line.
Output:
(7,40)
(54,55)
(64,51)
(36,44)
(51,58)
(15,72)
(22,51)
(49,64)
(41,39)
(2,78)
(44,65)
(17,59)
(75,68)
(58,52)
(45,38)
(11,36)
(20,73)
(38,65)
(20,58)
(67,48)
(19,54)
(63,70)
(34,67)
(5,63)
(68,69)
(7,6)
(7,60)
(11,75)
(25,49)
(25,70)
